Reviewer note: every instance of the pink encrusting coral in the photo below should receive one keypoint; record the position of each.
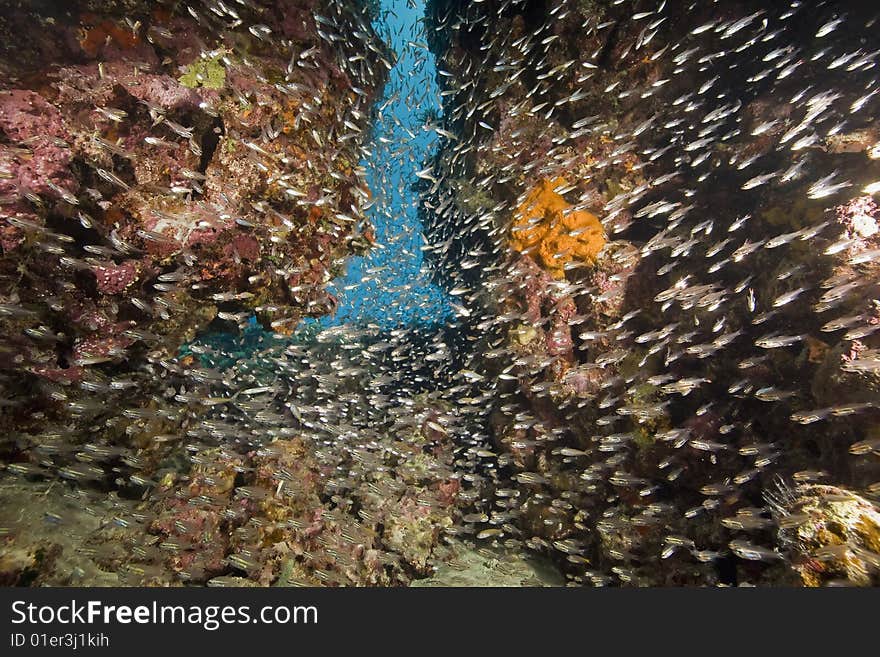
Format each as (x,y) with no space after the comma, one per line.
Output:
(114,279)
(35,156)
(26,115)
(243,246)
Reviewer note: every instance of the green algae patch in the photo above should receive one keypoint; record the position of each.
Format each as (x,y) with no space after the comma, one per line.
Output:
(204,73)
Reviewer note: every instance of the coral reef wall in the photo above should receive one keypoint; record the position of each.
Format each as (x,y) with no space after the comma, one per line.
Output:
(169,171)
(655,225)
(164,169)
(687,396)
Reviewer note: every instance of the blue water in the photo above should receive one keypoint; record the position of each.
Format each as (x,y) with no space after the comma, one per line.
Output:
(391,286)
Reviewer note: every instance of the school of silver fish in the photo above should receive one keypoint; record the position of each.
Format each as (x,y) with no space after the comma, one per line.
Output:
(655,225)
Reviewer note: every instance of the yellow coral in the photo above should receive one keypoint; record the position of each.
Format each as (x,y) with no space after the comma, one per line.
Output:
(545,227)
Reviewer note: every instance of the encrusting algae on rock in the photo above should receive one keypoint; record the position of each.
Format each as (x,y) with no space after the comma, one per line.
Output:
(832,534)
(207,72)
(545,226)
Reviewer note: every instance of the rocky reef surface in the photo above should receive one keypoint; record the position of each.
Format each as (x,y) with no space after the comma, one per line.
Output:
(686,396)
(170,171)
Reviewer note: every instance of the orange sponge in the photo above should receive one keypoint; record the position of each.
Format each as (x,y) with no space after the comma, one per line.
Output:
(545,227)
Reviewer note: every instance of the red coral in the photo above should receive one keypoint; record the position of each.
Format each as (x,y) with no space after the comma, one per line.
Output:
(542,303)
(613,279)
(210,227)
(535,289)
(559,341)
